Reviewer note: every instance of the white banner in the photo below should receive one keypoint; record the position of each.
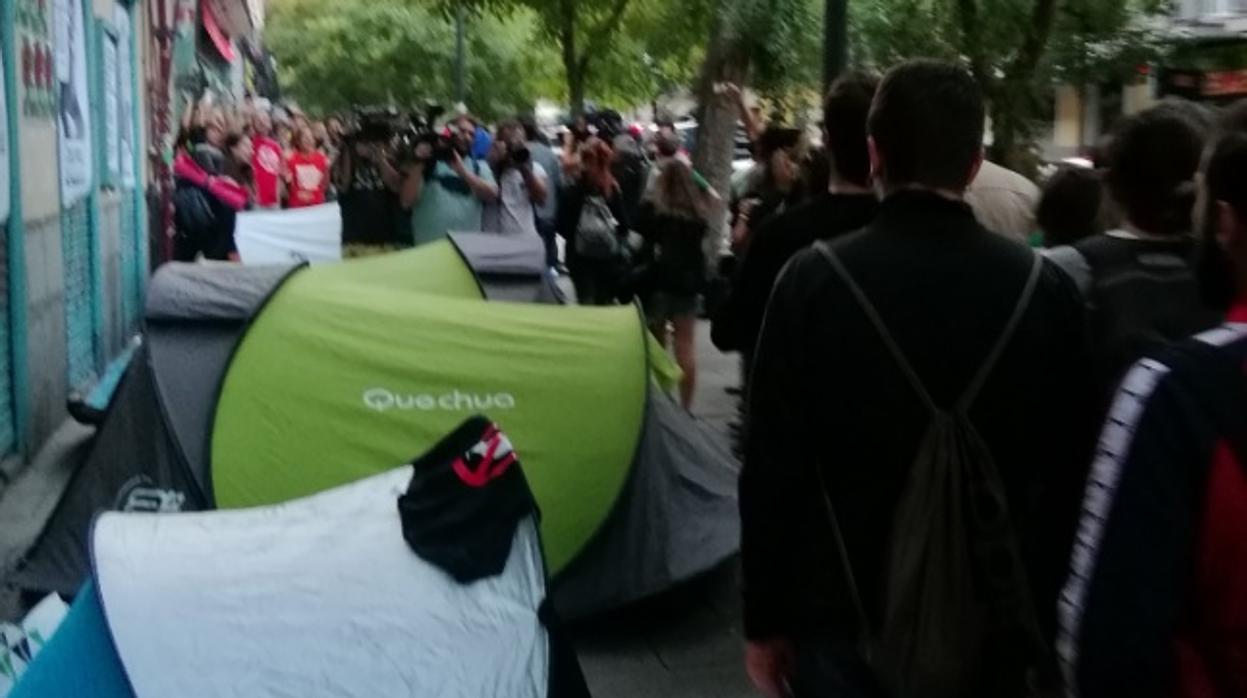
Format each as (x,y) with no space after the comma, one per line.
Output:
(125,90)
(112,141)
(4,148)
(312,234)
(73,114)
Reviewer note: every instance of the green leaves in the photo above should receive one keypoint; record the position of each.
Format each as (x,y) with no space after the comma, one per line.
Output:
(334,54)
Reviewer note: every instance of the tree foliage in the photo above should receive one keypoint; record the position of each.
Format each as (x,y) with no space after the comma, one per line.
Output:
(1017,49)
(334,54)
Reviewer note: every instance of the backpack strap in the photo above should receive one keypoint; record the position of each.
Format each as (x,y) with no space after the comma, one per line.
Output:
(1019,311)
(824,248)
(843,549)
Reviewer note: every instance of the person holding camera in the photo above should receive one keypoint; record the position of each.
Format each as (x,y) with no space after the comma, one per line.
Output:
(445,187)
(522,185)
(368,186)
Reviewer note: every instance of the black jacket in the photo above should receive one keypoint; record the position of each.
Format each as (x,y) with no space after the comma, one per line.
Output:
(737,324)
(826,394)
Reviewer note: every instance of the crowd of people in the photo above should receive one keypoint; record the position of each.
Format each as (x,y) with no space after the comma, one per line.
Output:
(926,508)
(594,188)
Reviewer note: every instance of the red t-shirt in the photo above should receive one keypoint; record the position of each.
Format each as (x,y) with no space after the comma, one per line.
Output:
(309,177)
(266,168)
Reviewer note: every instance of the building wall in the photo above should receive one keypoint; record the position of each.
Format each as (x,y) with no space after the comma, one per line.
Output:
(74,274)
(78,300)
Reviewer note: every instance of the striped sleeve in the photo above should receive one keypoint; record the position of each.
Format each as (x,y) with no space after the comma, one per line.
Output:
(1110,549)
(1132,557)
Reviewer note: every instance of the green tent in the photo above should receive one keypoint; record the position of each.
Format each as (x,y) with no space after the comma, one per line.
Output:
(271,385)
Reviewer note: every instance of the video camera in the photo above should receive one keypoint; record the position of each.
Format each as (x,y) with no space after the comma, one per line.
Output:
(373,125)
(422,129)
(386,126)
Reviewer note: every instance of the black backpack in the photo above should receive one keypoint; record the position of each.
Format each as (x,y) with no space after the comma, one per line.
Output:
(1140,300)
(957,597)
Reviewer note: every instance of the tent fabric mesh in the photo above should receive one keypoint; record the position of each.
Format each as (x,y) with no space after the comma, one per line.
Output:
(677,517)
(208,292)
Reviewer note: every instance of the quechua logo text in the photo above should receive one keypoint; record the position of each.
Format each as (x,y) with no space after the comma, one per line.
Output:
(384,400)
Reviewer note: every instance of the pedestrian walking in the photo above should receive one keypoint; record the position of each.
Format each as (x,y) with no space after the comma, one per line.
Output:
(916,411)
(674,219)
(847,205)
(1137,279)
(1154,601)
(594,221)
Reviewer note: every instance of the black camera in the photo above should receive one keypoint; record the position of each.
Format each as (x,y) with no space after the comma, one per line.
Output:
(520,154)
(373,125)
(421,130)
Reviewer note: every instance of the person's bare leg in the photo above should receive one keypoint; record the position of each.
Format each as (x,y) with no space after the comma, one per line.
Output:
(686,356)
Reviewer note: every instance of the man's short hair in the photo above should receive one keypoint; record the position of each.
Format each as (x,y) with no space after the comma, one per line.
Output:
(1069,210)
(844,124)
(1225,169)
(927,121)
(1151,168)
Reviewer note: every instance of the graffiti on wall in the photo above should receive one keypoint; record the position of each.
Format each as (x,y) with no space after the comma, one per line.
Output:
(73,114)
(35,35)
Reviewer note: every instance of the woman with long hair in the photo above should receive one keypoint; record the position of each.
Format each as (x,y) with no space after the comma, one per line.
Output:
(238,156)
(673,219)
(593,220)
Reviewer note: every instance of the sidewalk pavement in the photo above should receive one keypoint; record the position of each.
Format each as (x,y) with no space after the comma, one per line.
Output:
(27,502)
(689,642)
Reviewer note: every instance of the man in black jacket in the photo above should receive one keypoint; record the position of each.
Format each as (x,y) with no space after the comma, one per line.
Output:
(826,393)
(848,205)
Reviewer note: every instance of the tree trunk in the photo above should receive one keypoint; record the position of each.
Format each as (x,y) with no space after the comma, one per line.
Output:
(576,90)
(716,115)
(571,64)
(835,40)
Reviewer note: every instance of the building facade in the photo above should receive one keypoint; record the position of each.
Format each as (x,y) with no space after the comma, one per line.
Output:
(89,89)
(1204,59)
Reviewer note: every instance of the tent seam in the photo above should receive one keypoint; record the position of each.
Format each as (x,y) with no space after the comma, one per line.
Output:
(210,493)
(613,511)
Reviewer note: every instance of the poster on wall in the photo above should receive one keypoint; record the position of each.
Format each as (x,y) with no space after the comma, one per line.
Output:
(125,92)
(4,148)
(112,142)
(73,113)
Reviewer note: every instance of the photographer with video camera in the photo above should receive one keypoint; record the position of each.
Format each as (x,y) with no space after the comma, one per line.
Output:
(368,185)
(522,184)
(446,187)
